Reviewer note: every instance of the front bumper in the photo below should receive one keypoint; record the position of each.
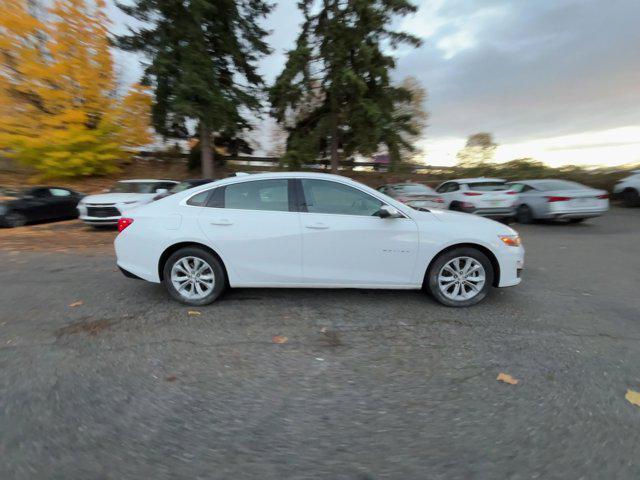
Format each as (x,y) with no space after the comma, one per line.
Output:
(511,261)
(99,214)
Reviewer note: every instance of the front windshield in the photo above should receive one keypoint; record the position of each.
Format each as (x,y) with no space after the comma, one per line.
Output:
(488,186)
(134,187)
(413,189)
(549,185)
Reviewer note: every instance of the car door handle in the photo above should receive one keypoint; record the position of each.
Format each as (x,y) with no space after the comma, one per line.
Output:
(223,222)
(318,226)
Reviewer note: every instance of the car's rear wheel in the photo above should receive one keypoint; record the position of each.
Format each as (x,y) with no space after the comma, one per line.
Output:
(194,276)
(14,219)
(461,277)
(631,197)
(524,214)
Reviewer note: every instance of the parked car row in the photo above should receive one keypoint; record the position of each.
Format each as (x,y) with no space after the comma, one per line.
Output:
(525,201)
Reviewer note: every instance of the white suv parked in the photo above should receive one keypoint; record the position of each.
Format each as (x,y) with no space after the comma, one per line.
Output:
(107,208)
(488,197)
(629,189)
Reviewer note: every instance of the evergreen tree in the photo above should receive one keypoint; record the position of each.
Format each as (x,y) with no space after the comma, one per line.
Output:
(341,62)
(202,64)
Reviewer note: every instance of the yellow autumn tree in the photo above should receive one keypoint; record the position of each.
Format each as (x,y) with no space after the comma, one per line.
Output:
(59,109)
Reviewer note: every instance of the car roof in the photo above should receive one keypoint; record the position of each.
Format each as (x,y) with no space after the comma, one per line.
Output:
(146,180)
(475,180)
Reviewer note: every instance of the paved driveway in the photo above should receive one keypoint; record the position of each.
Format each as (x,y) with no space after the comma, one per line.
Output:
(369,384)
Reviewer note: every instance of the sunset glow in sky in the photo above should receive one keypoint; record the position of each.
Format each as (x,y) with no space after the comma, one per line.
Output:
(556,80)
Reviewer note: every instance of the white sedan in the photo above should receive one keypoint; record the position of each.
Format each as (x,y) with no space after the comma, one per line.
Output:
(312,230)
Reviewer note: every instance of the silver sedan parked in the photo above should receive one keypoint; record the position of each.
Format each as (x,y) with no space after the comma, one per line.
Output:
(558,200)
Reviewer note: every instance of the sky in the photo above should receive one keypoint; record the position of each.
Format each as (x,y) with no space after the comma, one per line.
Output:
(556,80)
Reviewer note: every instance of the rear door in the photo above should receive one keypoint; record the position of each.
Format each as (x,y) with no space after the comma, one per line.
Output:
(256,232)
(345,243)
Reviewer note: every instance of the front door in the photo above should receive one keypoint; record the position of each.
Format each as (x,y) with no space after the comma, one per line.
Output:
(345,243)
(252,227)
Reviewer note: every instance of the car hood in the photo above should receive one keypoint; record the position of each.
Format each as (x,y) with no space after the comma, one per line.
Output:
(466,220)
(117,197)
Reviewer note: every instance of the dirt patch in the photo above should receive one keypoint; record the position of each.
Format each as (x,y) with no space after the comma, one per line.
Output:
(92,327)
(57,237)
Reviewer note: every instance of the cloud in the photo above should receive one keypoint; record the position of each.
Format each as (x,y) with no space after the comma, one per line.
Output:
(525,70)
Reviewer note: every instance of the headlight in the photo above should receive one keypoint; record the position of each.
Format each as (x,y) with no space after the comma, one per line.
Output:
(510,240)
(130,202)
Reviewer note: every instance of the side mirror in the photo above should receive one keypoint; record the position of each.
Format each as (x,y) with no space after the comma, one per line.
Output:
(387,211)
(161,191)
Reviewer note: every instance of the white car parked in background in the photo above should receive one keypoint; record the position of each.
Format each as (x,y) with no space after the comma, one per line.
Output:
(312,230)
(488,197)
(107,208)
(629,189)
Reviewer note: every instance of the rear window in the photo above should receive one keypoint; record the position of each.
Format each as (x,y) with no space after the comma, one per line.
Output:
(413,189)
(548,185)
(488,186)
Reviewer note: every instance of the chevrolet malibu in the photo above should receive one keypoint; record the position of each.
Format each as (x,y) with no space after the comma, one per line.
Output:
(312,230)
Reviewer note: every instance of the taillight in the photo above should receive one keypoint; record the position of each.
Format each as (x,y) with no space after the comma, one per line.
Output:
(472,194)
(510,192)
(124,223)
(603,197)
(438,200)
(558,199)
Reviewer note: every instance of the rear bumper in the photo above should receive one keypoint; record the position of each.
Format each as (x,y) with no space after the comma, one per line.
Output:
(493,212)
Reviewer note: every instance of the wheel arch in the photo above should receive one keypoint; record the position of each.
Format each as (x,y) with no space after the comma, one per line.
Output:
(177,246)
(490,255)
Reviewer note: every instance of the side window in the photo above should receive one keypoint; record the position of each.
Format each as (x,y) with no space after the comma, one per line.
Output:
(518,187)
(199,200)
(269,195)
(41,193)
(326,196)
(59,192)
(453,187)
(442,188)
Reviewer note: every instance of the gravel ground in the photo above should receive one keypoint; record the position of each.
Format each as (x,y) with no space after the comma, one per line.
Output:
(368,385)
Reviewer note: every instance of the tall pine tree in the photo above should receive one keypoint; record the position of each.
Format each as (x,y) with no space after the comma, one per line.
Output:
(202,67)
(342,58)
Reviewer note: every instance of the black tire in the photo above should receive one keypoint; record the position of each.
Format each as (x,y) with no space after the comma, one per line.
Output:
(576,220)
(630,197)
(219,276)
(524,214)
(455,206)
(438,264)
(14,219)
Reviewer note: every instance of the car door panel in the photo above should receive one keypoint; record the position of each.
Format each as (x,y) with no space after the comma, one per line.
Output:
(257,246)
(353,250)
(353,246)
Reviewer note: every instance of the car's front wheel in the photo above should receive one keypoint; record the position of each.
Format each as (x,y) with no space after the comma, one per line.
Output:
(461,277)
(194,276)
(631,197)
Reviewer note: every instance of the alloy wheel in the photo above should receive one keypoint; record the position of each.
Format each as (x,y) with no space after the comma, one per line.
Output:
(193,278)
(461,278)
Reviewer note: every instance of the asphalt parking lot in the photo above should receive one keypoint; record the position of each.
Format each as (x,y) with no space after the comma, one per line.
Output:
(366,384)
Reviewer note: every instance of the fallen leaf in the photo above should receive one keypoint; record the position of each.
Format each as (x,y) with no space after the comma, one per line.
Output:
(633,397)
(279,339)
(506,378)
(193,313)
(76,304)
(171,378)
